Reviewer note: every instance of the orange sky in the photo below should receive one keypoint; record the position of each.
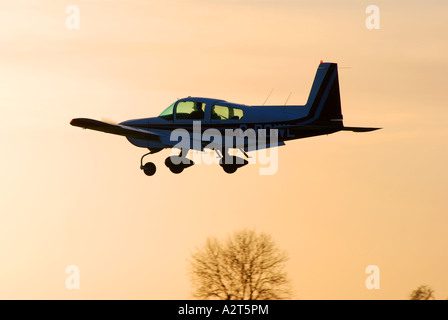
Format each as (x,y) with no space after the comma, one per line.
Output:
(337,204)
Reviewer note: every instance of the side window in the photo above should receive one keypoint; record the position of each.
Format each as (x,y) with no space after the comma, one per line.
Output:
(187,110)
(235,114)
(226,113)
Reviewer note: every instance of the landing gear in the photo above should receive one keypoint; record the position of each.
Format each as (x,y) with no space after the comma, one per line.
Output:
(149,168)
(177,164)
(229,168)
(174,168)
(231,163)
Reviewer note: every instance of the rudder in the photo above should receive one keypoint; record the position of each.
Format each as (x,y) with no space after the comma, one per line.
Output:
(324,101)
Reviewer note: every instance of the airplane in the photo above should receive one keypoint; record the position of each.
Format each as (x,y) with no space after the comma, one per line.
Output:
(321,115)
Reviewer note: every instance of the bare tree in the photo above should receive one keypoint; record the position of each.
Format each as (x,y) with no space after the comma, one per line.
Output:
(246,266)
(423,292)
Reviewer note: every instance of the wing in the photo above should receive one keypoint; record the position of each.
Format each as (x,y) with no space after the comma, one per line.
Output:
(118,129)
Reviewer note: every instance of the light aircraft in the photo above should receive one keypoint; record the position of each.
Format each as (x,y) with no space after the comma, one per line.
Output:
(321,115)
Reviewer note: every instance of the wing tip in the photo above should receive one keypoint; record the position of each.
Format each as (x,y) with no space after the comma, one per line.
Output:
(74,122)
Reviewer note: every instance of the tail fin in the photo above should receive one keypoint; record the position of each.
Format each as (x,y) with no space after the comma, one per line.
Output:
(324,101)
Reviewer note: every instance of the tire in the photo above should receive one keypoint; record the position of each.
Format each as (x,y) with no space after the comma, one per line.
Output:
(229,168)
(168,162)
(176,168)
(149,169)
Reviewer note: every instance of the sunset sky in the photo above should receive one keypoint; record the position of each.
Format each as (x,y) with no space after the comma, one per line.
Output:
(337,204)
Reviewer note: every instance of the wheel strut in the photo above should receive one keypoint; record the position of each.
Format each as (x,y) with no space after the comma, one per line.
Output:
(141,160)
(148,168)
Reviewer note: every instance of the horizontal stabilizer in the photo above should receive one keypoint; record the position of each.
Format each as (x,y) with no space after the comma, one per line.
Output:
(118,129)
(359,129)
(327,128)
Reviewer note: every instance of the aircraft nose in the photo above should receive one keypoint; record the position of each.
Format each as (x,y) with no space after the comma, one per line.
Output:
(135,123)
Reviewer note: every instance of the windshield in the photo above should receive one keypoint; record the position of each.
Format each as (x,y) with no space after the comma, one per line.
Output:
(167,114)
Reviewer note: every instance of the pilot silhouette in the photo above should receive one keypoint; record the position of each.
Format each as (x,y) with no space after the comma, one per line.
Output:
(197,112)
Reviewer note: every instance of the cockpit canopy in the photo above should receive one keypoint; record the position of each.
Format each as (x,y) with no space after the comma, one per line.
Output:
(196,110)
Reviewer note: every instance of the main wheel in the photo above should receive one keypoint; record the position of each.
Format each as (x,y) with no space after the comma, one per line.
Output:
(168,162)
(149,168)
(176,168)
(230,168)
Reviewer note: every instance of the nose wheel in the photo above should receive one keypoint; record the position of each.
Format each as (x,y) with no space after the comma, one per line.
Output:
(149,168)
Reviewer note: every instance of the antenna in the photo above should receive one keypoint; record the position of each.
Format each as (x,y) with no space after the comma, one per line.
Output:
(288,98)
(268,96)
